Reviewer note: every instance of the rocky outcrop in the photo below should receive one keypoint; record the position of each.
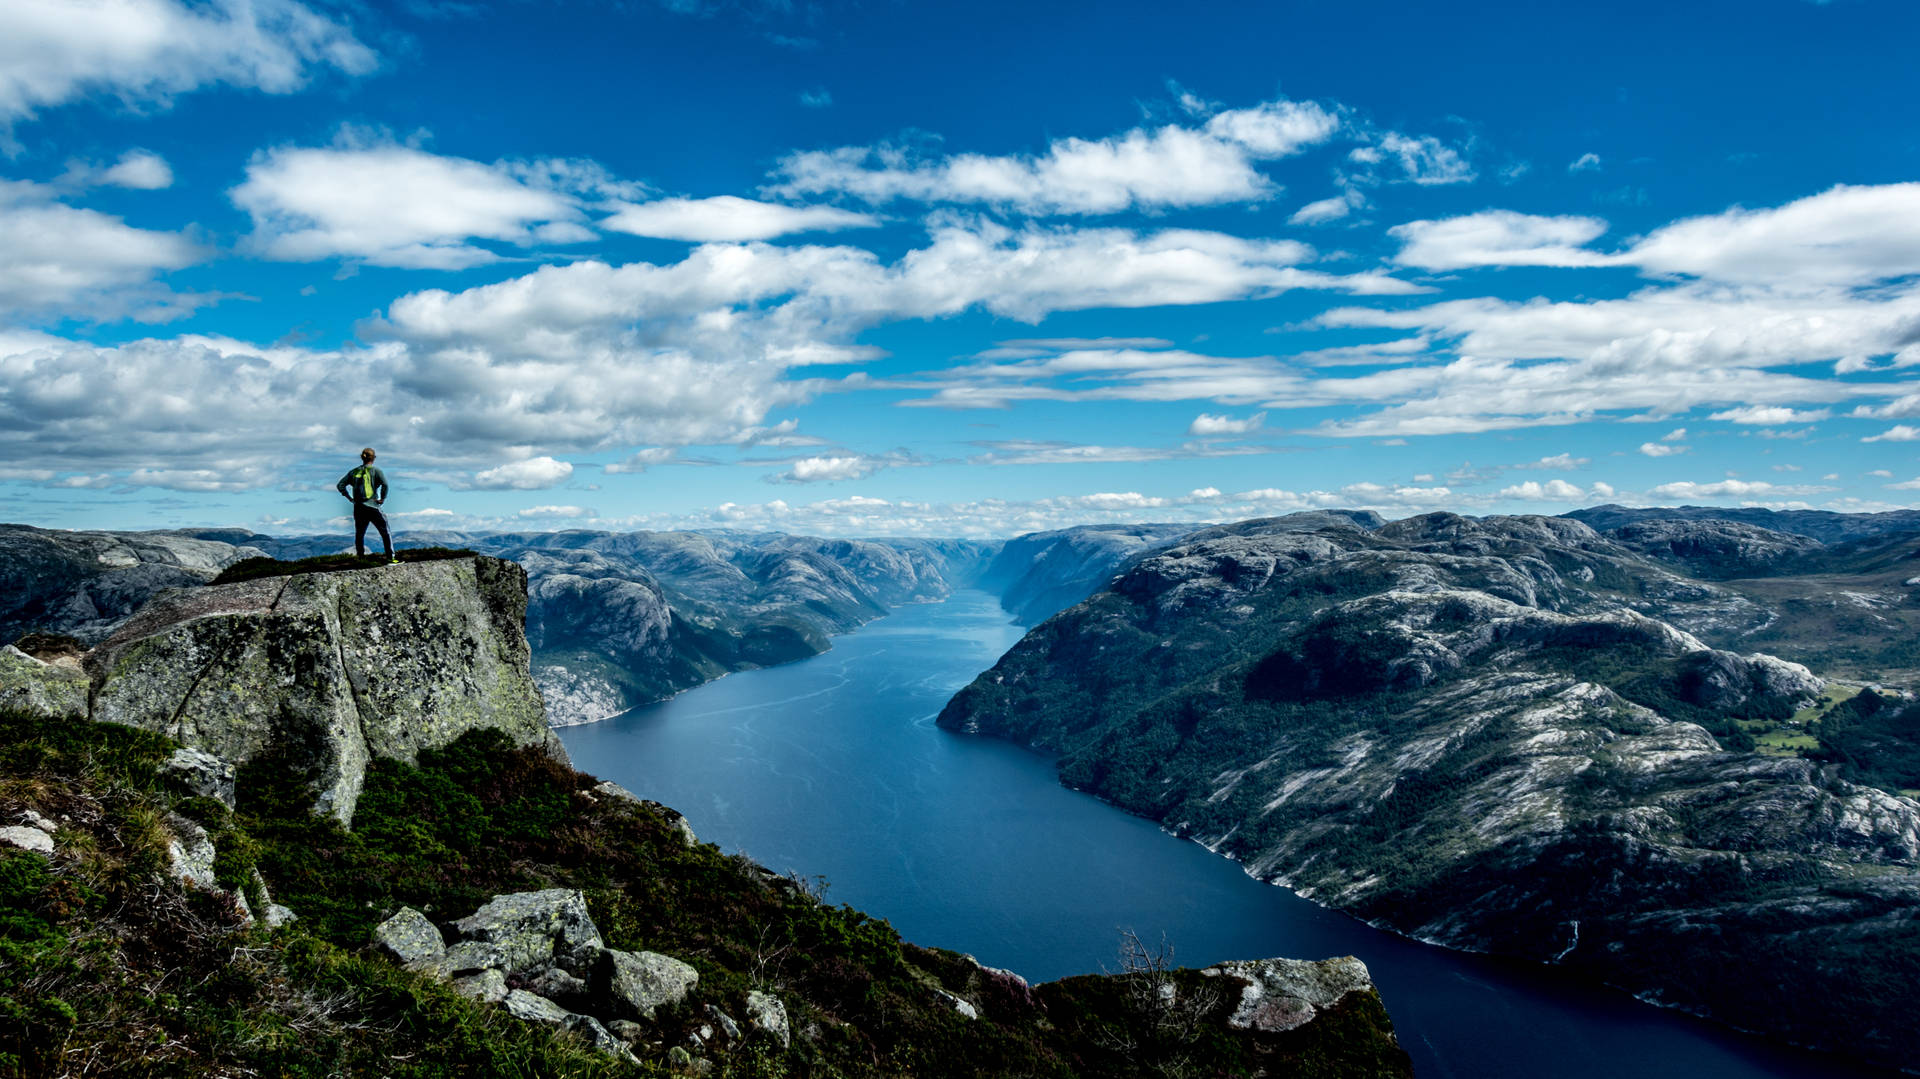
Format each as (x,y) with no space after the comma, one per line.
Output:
(1715,549)
(1040,573)
(57,688)
(1468,731)
(1284,994)
(331,669)
(86,583)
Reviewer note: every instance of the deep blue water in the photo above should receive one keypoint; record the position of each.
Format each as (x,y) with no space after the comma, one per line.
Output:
(832,767)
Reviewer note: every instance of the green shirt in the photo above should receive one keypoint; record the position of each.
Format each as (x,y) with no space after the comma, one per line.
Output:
(364,484)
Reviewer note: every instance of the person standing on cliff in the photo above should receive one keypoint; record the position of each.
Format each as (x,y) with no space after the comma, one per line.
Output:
(366,486)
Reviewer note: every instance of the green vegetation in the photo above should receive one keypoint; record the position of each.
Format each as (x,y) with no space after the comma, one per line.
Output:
(255,568)
(1875,738)
(104,967)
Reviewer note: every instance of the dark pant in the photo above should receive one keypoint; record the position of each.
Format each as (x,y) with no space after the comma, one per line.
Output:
(363,515)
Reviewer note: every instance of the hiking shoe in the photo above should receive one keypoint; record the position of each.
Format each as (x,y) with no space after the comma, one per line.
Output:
(393,561)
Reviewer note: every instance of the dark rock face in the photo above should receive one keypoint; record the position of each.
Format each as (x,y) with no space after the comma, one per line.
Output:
(1713,549)
(87,583)
(1471,731)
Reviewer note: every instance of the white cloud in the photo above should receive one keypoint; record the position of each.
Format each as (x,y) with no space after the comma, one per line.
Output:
(64,258)
(1587,162)
(1025,452)
(1897,433)
(1498,238)
(817,98)
(1206,425)
(1678,434)
(728,219)
(1660,449)
(532,474)
(392,205)
(1421,159)
(1328,209)
(1760,414)
(555,512)
(1909,485)
(137,170)
(1164,167)
(830,469)
(642,460)
(1687,489)
(1550,491)
(146,51)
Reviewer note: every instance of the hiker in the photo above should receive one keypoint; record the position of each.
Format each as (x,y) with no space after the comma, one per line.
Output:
(367,487)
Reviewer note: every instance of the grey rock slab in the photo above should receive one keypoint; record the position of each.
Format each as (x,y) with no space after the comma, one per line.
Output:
(26,838)
(766,1014)
(638,983)
(1282,994)
(531,928)
(489,986)
(724,1023)
(598,1036)
(32,819)
(410,938)
(468,957)
(202,773)
(534,1008)
(557,984)
(628,1031)
(278,916)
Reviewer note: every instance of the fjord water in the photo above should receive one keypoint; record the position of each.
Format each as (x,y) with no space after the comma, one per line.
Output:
(832,767)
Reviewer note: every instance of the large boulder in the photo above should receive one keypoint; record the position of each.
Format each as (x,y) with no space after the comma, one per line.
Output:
(638,983)
(1281,994)
(532,929)
(32,684)
(331,668)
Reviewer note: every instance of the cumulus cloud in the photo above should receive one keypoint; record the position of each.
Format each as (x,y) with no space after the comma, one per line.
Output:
(1158,168)
(1332,208)
(1207,425)
(1551,491)
(1587,162)
(532,474)
(1498,238)
(1663,449)
(147,51)
(136,170)
(391,205)
(1030,452)
(1421,159)
(830,469)
(728,219)
(1897,433)
(1688,489)
(62,258)
(550,512)
(1760,414)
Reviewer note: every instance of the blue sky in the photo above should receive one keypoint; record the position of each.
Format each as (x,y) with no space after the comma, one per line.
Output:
(947,269)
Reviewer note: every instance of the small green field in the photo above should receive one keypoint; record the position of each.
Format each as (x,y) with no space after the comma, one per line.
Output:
(1794,737)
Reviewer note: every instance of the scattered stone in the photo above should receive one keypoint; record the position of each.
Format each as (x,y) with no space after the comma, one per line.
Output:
(278,916)
(640,982)
(33,819)
(190,853)
(959,1004)
(766,1014)
(202,773)
(535,1008)
(675,820)
(26,838)
(610,789)
(628,1031)
(530,928)
(599,1037)
(678,1057)
(489,986)
(1282,994)
(410,938)
(724,1022)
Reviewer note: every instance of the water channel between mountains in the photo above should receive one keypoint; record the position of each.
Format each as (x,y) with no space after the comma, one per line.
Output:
(832,767)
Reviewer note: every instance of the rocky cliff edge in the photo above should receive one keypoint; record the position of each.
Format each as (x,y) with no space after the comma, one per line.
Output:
(327,669)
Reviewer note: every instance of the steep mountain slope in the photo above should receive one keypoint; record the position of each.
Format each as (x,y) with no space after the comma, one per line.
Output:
(1473,732)
(1826,526)
(86,583)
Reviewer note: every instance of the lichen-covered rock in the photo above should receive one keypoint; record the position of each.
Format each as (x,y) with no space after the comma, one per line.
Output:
(27,838)
(85,583)
(202,773)
(190,853)
(534,1008)
(410,938)
(464,958)
(1281,994)
(335,668)
(489,986)
(766,1014)
(531,928)
(31,684)
(638,983)
(557,984)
